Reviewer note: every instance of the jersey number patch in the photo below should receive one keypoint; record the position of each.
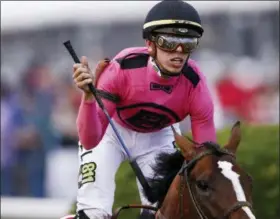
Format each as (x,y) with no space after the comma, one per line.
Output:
(87,173)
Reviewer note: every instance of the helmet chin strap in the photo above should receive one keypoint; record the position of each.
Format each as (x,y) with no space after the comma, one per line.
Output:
(162,72)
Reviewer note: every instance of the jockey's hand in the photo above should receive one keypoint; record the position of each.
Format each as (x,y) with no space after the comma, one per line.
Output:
(83,76)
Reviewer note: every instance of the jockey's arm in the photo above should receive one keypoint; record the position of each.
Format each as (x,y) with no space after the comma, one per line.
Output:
(91,120)
(202,114)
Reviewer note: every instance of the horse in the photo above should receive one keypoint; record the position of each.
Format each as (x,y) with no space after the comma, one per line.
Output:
(200,181)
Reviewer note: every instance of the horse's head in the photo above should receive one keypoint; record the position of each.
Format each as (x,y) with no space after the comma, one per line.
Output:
(212,181)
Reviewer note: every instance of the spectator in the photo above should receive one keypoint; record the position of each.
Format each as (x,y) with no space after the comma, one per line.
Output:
(35,135)
(7,141)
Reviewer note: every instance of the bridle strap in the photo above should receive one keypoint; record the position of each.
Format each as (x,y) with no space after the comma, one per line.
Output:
(235,207)
(184,173)
(196,205)
(186,167)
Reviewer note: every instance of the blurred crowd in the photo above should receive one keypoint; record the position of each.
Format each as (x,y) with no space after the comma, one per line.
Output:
(37,116)
(39,103)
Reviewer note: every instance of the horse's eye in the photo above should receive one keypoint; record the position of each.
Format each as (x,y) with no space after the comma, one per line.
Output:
(202,185)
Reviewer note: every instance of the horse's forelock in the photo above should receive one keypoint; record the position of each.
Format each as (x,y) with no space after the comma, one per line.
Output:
(217,149)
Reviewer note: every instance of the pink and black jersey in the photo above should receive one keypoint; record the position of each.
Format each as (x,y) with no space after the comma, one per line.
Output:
(138,98)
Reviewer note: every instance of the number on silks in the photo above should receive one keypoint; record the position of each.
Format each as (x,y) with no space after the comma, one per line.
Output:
(87,173)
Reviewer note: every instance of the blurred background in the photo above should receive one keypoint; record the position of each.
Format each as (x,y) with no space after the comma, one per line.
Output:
(239,54)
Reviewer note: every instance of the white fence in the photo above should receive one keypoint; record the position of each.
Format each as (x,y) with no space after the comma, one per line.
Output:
(33,208)
(61,185)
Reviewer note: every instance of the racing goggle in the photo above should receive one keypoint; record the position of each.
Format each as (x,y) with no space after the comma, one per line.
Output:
(170,43)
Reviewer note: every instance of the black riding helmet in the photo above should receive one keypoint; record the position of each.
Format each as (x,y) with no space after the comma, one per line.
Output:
(173,16)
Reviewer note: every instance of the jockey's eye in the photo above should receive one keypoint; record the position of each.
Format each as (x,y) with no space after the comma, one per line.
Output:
(202,185)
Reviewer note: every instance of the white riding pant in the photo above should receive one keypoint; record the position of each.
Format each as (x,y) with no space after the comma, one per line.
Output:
(99,165)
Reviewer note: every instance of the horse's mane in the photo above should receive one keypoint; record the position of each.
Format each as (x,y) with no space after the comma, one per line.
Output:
(165,169)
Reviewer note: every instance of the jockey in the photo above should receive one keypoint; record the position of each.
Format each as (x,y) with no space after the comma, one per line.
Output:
(145,90)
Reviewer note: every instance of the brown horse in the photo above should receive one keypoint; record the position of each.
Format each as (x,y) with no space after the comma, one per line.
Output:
(201,182)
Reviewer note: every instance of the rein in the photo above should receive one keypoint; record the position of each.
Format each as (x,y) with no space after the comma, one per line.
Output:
(118,210)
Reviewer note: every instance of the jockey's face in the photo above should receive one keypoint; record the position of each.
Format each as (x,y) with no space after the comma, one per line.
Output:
(171,61)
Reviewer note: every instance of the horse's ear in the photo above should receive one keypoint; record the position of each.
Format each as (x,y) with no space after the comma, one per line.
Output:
(187,147)
(235,138)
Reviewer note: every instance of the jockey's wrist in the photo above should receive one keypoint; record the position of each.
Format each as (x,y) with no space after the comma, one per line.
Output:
(88,97)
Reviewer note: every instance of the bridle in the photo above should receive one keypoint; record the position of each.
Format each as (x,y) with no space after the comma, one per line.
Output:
(184,173)
(212,149)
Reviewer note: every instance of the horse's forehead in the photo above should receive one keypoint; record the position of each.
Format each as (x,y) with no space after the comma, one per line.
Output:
(229,170)
(214,164)
(226,167)
(208,165)
(226,163)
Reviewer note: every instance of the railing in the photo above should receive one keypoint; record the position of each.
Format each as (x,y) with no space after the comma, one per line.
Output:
(33,208)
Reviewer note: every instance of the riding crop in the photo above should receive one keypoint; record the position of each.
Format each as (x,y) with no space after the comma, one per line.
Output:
(133,163)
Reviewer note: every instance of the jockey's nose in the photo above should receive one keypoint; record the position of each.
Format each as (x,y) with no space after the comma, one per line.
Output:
(179,49)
